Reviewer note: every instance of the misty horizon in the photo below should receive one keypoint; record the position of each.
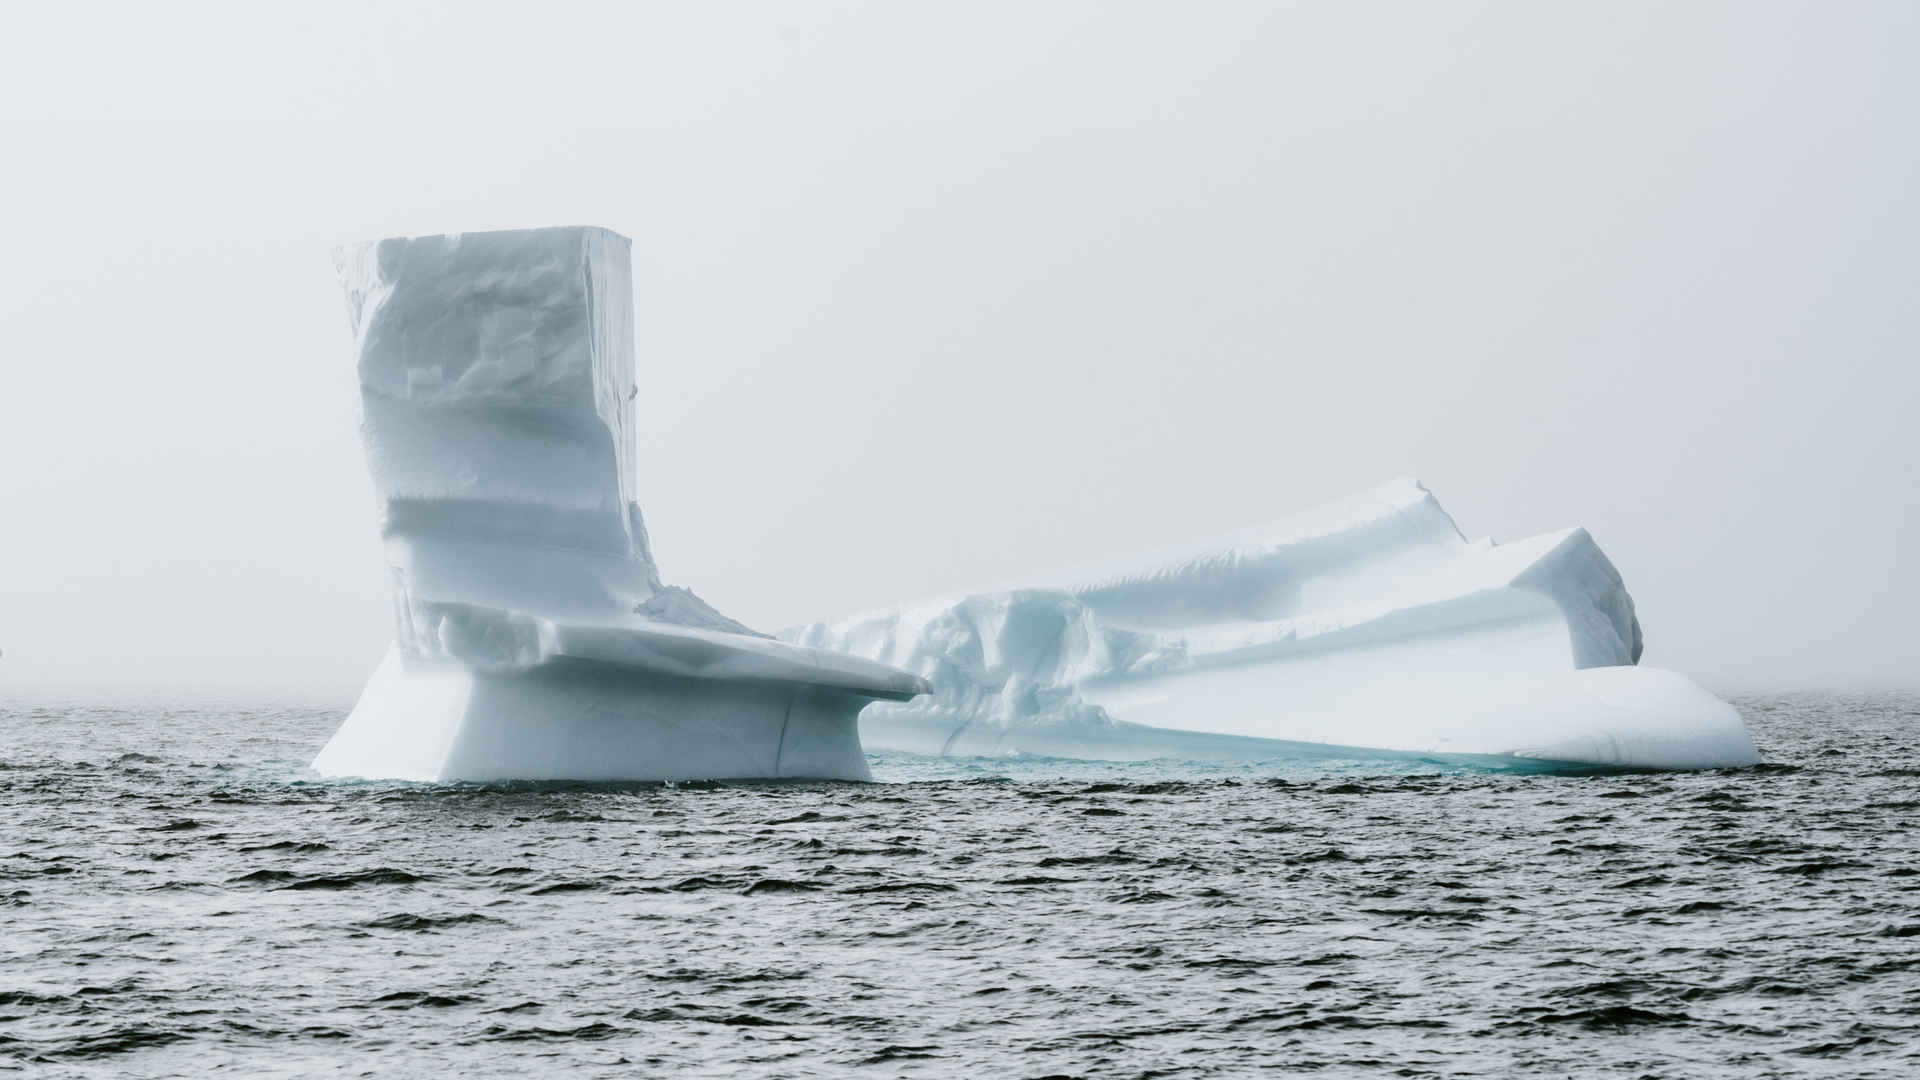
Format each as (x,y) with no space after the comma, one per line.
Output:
(931,299)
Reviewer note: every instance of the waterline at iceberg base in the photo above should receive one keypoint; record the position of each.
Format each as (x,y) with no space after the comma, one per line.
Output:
(1371,625)
(534,639)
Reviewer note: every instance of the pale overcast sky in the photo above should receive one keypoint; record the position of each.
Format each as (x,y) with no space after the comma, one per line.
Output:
(935,295)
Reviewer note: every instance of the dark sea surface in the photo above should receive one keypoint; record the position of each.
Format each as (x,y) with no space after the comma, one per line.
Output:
(180,897)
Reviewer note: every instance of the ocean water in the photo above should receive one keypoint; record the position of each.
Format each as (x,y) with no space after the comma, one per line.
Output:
(179,897)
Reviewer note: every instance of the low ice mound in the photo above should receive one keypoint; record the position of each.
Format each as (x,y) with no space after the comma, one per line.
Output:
(1372,623)
(535,640)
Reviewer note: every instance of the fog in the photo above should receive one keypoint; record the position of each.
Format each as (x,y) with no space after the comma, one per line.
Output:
(933,296)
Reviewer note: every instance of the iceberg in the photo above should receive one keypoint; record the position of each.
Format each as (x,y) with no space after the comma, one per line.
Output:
(1370,626)
(534,637)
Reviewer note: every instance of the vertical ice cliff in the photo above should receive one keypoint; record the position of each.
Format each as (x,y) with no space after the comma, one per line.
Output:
(533,636)
(1371,623)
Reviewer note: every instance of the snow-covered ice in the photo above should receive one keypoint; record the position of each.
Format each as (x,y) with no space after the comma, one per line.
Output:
(536,640)
(534,637)
(1368,624)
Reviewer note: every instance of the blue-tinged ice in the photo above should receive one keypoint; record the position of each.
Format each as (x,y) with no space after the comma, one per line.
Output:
(534,638)
(1369,623)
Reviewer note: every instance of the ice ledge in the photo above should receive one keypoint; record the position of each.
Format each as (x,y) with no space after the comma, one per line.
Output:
(504,643)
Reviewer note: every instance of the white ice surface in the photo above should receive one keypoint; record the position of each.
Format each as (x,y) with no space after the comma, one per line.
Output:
(534,637)
(1370,623)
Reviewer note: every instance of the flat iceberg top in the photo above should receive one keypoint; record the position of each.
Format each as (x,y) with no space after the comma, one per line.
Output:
(1372,566)
(1401,508)
(1370,622)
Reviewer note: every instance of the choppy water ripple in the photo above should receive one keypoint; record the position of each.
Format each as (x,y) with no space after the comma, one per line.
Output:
(179,898)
